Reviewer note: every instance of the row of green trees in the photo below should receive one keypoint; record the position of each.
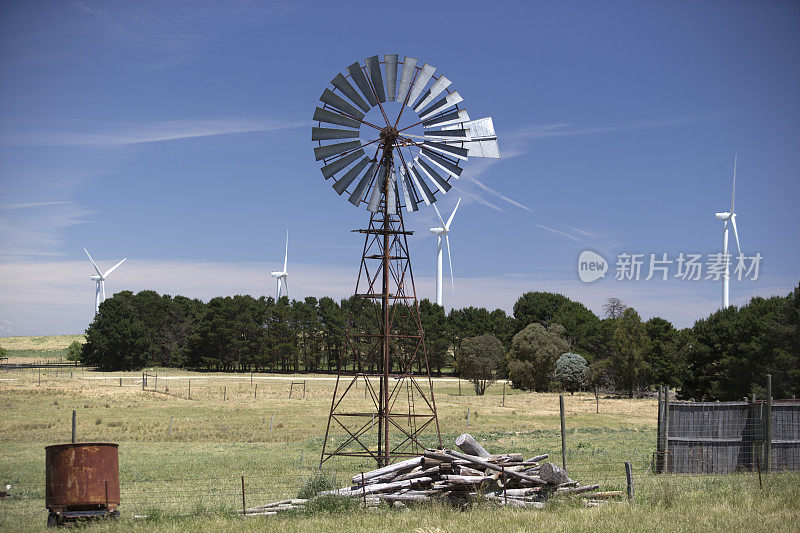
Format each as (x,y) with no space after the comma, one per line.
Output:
(724,356)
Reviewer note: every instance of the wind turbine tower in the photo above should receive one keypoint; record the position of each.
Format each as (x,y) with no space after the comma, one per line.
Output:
(280,275)
(99,279)
(728,219)
(442,234)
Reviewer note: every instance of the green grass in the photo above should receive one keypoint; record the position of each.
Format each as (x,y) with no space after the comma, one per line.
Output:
(189,477)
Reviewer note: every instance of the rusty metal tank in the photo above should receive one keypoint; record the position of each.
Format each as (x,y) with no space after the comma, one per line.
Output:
(82,477)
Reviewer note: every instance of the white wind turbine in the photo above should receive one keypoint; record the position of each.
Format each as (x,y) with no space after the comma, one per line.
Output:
(99,279)
(728,217)
(441,232)
(280,275)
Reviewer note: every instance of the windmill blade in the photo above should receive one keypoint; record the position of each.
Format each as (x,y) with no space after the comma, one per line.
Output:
(278,288)
(447,118)
(361,81)
(334,100)
(436,89)
(438,214)
(440,182)
(377,189)
(408,191)
(419,84)
(332,168)
(345,181)
(326,115)
(455,151)
(286,284)
(427,195)
(96,268)
(391,193)
(736,233)
(324,152)
(390,63)
(360,191)
(733,191)
(450,260)
(453,214)
(483,141)
(374,69)
(442,162)
(445,103)
(286,257)
(112,269)
(444,135)
(329,134)
(341,83)
(409,67)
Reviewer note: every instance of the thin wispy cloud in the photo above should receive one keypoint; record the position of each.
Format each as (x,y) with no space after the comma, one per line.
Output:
(30,205)
(567,129)
(153,132)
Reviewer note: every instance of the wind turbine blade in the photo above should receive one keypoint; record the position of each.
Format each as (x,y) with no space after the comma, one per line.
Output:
(436,89)
(449,220)
(286,257)
(377,190)
(736,233)
(361,188)
(408,191)
(286,284)
(450,260)
(329,134)
(427,195)
(733,191)
(112,269)
(440,182)
(93,263)
(438,214)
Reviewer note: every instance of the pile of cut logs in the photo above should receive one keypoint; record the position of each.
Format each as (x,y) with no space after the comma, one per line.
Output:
(459,477)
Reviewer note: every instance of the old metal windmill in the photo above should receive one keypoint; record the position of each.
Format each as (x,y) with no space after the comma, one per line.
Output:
(387,157)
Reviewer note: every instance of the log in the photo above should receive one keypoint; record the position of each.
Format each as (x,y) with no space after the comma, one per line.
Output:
(605,495)
(486,464)
(536,459)
(577,490)
(431,472)
(396,467)
(552,474)
(468,445)
(467,471)
(465,480)
(405,497)
(506,458)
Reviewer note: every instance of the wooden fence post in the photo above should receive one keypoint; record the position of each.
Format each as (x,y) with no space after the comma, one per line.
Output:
(224,393)
(504,394)
(244,507)
(629,479)
(74,426)
(659,432)
(666,429)
(768,424)
(190,389)
(563,432)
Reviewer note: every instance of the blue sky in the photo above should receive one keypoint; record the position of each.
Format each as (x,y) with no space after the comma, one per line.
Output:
(177,134)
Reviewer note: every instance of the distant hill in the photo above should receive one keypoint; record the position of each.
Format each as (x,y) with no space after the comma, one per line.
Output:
(43,343)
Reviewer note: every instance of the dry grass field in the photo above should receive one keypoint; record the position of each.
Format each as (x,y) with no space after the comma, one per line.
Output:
(181,459)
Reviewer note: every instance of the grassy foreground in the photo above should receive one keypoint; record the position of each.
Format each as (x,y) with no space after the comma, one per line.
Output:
(181,459)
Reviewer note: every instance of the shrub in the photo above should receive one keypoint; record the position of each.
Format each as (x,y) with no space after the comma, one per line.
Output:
(571,371)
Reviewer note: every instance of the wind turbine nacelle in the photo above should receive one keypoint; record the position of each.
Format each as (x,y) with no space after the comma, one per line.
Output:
(95,278)
(438,231)
(278,274)
(723,216)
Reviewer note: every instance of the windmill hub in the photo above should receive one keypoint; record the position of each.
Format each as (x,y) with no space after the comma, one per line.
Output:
(389,135)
